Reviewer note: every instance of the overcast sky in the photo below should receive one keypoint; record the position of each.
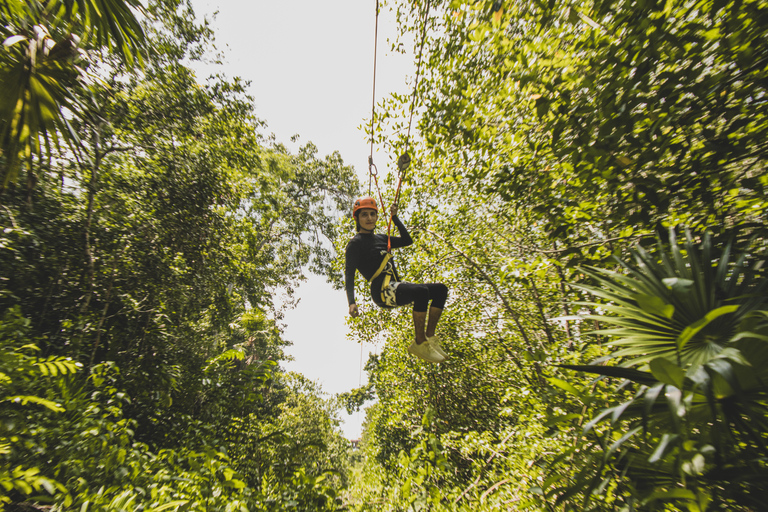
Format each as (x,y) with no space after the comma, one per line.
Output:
(310,65)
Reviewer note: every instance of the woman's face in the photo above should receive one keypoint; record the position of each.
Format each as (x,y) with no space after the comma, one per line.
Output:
(367,219)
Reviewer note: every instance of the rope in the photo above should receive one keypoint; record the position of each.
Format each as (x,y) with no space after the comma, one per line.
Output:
(404,161)
(373,171)
(418,70)
(373,98)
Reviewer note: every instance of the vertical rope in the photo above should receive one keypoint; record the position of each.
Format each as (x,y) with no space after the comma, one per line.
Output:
(418,71)
(373,94)
(404,161)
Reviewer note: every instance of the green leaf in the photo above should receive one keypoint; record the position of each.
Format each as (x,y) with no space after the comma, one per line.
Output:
(748,335)
(650,396)
(678,285)
(667,372)
(25,399)
(615,446)
(551,480)
(674,398)
(169,505)
(691,330)
(696,465)
(661,448)
(654,305)
(429,416)
(733,354)
(13,40)
(728,384)
(565,386)
(597,419)
(542,106)
(406,487)
(699,376)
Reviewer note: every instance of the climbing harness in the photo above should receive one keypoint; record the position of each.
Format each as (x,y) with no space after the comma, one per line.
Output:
(404,161)
(384,262)
(388,285)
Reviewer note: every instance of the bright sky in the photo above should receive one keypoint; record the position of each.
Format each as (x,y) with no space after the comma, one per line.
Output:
(310,65)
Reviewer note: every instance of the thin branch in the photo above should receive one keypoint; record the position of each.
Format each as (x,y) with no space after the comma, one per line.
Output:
(479,269)
(10,216)
(543,315)
(482,470)
(498,293)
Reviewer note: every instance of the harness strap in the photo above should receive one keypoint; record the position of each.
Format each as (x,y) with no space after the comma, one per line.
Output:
(384,285)
(384,262)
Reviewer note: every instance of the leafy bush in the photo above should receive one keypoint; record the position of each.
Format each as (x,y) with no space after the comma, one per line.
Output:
(27,391)
(65,439)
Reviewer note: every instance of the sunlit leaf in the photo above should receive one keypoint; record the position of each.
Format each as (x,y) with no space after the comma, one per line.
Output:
(667,372)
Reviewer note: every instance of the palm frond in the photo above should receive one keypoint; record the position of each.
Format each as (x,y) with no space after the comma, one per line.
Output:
(39,72)
(687,298)
(689,325)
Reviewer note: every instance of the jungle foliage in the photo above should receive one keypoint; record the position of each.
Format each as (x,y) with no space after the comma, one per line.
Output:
(147,221)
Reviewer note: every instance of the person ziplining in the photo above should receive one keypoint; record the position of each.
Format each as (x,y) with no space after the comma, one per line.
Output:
(370,254)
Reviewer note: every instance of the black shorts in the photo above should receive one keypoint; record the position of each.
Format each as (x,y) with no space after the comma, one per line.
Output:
(405,293)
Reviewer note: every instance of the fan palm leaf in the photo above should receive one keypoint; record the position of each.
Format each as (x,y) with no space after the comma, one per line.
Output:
(690,330)
(685,307)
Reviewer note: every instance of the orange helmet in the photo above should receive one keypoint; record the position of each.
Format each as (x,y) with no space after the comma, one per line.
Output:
(363,203)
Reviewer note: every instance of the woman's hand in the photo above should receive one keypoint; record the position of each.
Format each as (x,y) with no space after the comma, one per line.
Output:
(393,210)
(353,311)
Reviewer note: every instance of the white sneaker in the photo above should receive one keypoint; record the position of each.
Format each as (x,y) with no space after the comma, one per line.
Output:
(426,352)
(434,342)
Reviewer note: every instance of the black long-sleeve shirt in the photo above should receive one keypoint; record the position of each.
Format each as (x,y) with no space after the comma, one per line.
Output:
(366,251)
